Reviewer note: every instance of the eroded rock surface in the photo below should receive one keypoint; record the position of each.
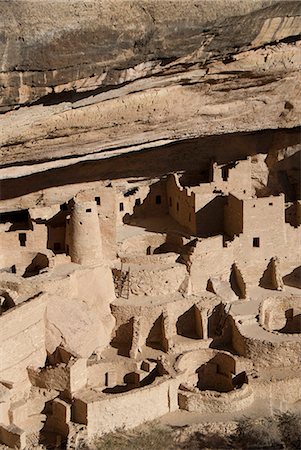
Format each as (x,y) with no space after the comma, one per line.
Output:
(102,80)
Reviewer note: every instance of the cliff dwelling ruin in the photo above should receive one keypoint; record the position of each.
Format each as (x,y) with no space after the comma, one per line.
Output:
(150,216)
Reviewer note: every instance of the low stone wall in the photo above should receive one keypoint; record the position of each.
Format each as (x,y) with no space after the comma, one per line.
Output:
(22,337)
(287,390)
(215,402)
(128,410)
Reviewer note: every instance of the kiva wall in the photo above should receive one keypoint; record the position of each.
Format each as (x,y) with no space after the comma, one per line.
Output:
(131,409)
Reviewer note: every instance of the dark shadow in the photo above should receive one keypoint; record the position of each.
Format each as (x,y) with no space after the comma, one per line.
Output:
(210,219)
(130,384)
(39,262)
(286,175)
(189,324)
(20,220)
(152,163)
(123,338)
(196,177)
(174,244)
(237,282)
(266,281)
(292,215)
(156,338)
(6,302)
(216,320)
(294,278)
(293,323)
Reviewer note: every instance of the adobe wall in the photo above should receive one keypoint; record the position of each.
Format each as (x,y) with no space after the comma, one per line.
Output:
(272,314)
(239,179)
(14,254)
(211,402)
(139,243)
(125,201)
(281,353)
(287,390)
(134,322)
(128,410)
(259,214)
(22,337)
(148,280)
(181,203)
(204,262)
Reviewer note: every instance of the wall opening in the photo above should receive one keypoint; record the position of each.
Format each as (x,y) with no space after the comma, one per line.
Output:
(225,173)
(88,210)
(170,201)
(22,239)
(97,199)
(256,242)
(158,200)
(178,207)
(121,206)
(137,202)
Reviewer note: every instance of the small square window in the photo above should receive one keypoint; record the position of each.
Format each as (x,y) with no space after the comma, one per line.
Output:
(158,199)
(88,210)
(271,204)
(256,242)
(137,202)
(97,199)
(121,206)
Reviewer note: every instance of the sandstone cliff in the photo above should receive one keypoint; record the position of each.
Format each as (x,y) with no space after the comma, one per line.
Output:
(94,79)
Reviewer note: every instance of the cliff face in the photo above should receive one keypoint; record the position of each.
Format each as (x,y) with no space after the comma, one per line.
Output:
(94,79)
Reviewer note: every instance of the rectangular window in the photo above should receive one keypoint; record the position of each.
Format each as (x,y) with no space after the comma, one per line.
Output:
(271,204)
(225,173)
(121,207)
(158,199)
(256,242)
(64,207)
(88,210)
(137,202)
(97,199)
(22,239)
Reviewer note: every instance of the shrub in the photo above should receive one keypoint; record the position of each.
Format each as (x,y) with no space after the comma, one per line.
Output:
(290,428)
(259,433)
(156,437)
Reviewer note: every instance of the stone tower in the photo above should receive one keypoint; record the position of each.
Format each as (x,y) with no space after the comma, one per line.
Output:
(85,245)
